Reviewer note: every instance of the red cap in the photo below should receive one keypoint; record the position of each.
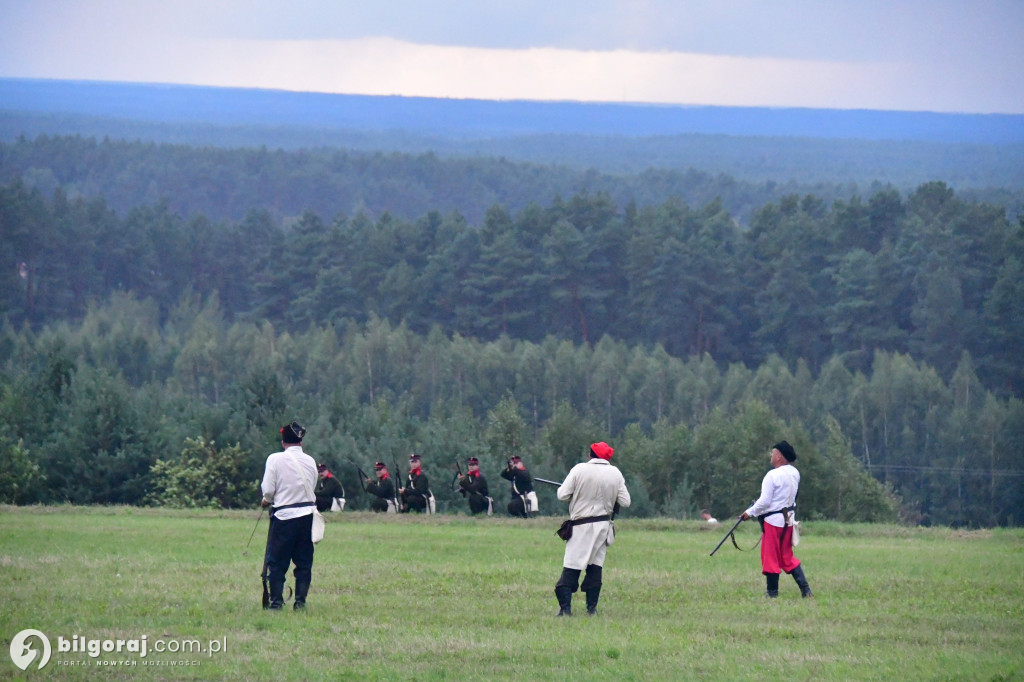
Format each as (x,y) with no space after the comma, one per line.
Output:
(602,450)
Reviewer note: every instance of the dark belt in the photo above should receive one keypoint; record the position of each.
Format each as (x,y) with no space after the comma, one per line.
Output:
(274,510)
(565,530)
(590,519)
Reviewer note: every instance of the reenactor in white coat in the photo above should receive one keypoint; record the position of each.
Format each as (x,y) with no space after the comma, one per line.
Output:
(595,490)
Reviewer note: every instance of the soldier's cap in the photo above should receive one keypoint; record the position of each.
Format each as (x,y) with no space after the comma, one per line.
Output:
(292,433)
(380,465)
(321,467)
(602,450)
(472,460)
(516,458)
(786,449)
(414,457)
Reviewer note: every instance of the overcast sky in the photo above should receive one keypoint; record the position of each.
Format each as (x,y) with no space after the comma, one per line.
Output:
(916,55)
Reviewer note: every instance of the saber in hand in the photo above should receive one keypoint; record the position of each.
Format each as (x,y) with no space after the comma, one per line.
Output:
(727,536)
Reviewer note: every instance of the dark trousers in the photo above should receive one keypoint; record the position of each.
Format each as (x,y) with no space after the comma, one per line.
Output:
(477,504)
(516,507)
(290,541)
(417,503)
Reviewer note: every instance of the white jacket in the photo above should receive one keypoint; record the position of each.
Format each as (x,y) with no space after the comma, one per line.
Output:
(592,489)
(778,491)
(285,483)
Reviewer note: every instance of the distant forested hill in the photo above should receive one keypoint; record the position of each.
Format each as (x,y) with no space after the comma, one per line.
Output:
(225,184)
(759,145)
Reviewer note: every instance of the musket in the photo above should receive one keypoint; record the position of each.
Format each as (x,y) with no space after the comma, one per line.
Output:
(398,478)
(727,536)
(266,553)
(458,475)
(615,509)
(363,478)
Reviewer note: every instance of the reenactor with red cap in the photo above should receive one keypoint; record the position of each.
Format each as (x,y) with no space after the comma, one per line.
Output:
(595,490)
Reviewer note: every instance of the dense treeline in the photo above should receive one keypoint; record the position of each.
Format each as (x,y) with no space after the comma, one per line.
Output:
(224,184)
(121,408)
(903,149)
(927,275)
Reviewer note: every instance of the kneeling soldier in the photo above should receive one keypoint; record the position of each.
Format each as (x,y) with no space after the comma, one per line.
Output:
(524,499)
(416,495)
(473,487)
(383,490)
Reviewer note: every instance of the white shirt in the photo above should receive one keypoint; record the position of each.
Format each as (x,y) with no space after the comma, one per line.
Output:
(290,478)
(593,488)
(778,491)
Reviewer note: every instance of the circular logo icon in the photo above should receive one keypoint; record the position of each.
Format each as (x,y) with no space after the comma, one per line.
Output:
(23,654)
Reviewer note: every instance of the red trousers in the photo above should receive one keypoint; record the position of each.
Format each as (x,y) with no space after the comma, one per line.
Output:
(777,550)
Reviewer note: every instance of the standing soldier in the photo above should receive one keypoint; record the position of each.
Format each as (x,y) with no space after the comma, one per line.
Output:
(416,495)
(775,511)
(473,487)
(287,487)
(330,494)
(383,490)
(595,490)
(524,499)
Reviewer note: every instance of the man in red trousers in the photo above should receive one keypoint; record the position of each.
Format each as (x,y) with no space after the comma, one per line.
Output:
(775,510)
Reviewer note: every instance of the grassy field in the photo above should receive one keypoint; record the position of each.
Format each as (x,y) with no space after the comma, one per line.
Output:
(459,598)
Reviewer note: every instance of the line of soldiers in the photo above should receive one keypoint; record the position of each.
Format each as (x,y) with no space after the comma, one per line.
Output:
(416,496)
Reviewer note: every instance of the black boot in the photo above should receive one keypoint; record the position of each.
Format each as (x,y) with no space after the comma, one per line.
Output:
(592,588)
(801,581)
(276,596)
(567,583)
(301,590)
(772,580)
(564,596)
(592,596)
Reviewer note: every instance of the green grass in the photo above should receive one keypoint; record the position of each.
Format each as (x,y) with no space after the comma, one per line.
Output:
(458,598)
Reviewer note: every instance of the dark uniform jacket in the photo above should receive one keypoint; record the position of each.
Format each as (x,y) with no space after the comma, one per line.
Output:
(522,482)
(474,487)
(383,490)
(326,490)
(417,492)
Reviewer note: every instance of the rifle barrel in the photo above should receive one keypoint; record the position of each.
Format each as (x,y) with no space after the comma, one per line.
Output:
(544,480)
